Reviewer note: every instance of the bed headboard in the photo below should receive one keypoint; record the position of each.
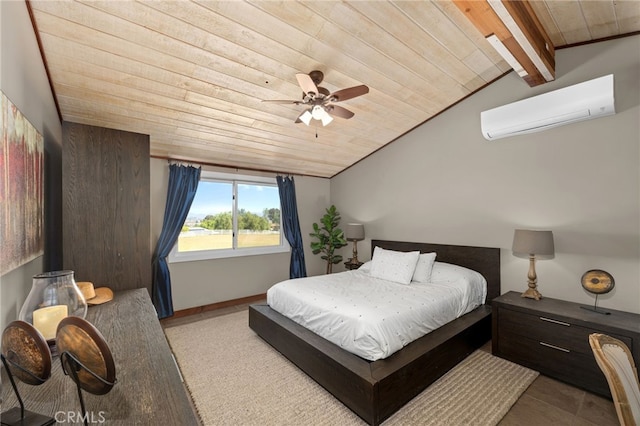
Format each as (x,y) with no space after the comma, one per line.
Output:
(485,260)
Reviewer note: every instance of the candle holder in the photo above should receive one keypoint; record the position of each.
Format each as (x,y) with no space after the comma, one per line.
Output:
(53,297)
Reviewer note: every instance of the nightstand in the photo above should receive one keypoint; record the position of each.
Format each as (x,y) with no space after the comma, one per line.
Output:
(552,337)
(352,265)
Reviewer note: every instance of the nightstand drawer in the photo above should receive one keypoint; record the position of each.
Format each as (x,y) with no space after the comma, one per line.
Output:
(552,337)
(577,368)
(549,331)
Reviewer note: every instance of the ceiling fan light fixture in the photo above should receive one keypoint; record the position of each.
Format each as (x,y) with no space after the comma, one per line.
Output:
(319,100)
(318,112)
(326,119)
(306,117)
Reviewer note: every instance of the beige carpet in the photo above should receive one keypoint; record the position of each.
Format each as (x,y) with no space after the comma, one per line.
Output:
(235,378)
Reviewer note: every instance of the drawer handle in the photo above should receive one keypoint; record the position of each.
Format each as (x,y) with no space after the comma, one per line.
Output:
(555,347)
(566,324)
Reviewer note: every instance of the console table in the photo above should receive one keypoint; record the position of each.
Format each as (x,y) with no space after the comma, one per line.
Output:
(149,389)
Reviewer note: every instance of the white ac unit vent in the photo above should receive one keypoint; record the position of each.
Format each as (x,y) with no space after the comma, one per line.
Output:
(583,101)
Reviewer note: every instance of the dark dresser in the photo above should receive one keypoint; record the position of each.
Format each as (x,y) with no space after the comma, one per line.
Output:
(149,388)
(552,337)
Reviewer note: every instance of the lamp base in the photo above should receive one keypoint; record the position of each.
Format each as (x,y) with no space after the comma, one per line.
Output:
(532,293)
(12,417)
(354,259)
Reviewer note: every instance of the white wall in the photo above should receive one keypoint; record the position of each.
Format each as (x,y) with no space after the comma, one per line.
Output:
(23,80)
(444,183)
(440,183)
(210,281)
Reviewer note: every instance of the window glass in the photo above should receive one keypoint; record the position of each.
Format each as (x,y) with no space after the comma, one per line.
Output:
(231,215)
(258,215)
(209,224)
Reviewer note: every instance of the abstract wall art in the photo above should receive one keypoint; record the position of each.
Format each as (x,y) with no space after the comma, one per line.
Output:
(21,189)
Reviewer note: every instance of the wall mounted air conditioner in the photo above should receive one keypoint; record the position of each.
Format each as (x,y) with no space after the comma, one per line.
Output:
(583,101)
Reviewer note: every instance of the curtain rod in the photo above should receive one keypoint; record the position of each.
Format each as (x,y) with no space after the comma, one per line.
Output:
(226,166)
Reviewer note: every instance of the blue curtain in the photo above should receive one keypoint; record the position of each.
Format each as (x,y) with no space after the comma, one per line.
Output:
(291,225)
(183,183)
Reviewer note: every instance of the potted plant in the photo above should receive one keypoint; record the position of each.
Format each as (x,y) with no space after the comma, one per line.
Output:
(329,238)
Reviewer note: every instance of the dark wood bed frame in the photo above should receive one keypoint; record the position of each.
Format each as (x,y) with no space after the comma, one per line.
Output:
(374,390)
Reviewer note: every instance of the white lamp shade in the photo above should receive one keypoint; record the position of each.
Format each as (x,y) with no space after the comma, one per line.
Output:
(326,119)
(306,117)
(538,243)
(317,112)
(355,232)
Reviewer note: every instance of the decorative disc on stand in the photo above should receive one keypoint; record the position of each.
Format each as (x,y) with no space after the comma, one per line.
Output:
(85,357)
(88,349)
(26,356)
(597,281)
(24,346)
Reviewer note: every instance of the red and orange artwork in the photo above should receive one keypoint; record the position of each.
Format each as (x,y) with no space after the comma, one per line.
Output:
(21,189)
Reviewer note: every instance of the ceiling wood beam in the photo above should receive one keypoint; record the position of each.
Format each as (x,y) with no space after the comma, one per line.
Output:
(515,31)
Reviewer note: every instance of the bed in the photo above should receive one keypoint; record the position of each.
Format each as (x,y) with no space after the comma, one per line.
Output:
(374,390)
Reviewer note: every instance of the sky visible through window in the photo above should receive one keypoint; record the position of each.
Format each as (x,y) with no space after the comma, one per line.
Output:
(215,197)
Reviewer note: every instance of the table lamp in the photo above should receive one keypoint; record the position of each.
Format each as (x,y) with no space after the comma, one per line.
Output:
(355,233)
(534,245)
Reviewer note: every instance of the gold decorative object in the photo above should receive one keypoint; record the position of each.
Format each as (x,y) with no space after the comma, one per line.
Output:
(597,281)
(85,355)
(26,356)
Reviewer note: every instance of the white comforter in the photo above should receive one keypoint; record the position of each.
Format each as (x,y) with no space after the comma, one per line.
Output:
(371,317)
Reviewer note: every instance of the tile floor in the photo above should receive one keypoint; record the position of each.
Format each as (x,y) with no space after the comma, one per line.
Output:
(547,402)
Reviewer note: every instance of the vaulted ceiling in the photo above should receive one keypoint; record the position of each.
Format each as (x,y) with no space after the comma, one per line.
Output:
(192,74)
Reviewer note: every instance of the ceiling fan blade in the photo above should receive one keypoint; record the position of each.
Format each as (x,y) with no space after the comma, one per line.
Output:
(351,92)
(281,101)
(306,84)
(339,111)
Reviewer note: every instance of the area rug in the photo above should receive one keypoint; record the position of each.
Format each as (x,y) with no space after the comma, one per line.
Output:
(235,378)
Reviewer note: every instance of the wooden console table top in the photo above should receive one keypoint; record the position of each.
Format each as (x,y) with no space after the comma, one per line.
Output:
(149,389)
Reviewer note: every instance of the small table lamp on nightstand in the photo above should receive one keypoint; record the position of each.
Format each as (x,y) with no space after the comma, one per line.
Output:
(355,233)
(532,245)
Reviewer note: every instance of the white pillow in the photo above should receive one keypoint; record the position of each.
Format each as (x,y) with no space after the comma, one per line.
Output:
(366,267)
(393,265)
(422,274)
(449,274)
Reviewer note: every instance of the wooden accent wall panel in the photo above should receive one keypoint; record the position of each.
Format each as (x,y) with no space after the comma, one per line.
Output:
(106,206)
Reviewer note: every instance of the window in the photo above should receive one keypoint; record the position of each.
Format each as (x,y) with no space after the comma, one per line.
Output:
(231,215)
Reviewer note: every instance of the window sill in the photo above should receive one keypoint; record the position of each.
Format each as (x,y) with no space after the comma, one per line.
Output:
(222,254)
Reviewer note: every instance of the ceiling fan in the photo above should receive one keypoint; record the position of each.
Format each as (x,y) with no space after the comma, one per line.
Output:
(320,101)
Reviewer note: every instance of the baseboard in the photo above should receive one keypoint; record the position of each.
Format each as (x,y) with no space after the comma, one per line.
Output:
(219,305)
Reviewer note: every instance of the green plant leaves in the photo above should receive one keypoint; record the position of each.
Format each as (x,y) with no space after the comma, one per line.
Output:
(330,237)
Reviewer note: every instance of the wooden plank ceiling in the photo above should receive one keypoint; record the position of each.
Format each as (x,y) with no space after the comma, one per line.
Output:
(192,74)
